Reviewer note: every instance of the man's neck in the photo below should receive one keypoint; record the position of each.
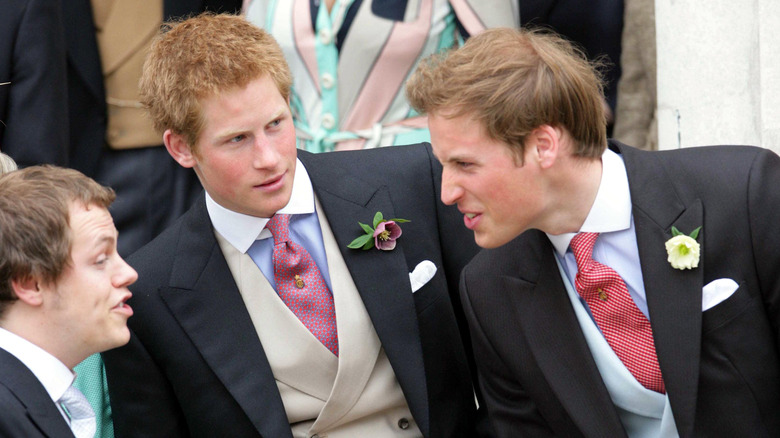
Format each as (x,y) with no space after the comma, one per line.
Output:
(575,192)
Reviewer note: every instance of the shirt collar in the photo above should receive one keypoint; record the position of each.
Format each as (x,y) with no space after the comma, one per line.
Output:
(611,211)
(55,377)
(241,230)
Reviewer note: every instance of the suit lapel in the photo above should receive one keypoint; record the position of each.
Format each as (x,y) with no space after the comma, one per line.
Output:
(30,392)
(673,296)
(359,345)
(82,45)
(557,342)
(381,277)
(203,297)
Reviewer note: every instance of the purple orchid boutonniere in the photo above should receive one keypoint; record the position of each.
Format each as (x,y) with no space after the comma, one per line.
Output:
(382,235)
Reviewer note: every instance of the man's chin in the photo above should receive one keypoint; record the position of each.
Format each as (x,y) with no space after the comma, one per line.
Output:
(488,241)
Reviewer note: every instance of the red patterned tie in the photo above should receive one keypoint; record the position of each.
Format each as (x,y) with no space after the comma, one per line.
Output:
(625,327)
(300,284)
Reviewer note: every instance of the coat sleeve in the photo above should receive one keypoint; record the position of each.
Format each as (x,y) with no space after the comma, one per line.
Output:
(511,411)
(764,209)
(142,399)
(35,125)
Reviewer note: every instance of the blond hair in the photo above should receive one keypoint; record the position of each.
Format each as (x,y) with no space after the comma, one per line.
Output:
(513,81)
(201,57)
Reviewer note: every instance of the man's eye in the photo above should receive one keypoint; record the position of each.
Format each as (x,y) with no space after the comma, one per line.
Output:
(237,138)
(275,123)
(463,164)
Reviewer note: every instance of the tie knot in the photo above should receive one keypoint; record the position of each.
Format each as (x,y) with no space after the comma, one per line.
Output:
(279,226)
(582,246)
(76,404)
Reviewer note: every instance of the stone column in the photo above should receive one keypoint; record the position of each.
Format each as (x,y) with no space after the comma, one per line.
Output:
(718,72)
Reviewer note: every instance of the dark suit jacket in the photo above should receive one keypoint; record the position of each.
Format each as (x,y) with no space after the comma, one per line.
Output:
(27,410)
(33,107)
(86,92)
(720,367)
(195,366)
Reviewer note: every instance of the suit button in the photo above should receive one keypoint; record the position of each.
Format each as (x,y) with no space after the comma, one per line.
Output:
(403,423)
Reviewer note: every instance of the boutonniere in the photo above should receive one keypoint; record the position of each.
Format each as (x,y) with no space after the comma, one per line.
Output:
(683,249)
(381,235)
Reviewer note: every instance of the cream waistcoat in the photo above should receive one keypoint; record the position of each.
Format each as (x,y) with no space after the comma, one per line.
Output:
(355,394)
(124,30)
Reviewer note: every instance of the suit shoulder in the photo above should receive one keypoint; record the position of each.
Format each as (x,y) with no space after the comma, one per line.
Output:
(519,258)
(370,163)
(156,258)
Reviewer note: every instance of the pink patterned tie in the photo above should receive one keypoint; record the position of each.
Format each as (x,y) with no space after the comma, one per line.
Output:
(625,327)
(300,284)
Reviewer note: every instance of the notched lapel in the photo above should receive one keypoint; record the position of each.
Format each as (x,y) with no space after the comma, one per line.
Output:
(204,299)
(674,302)
(673,296)
(33,396)
(382,279)
(555,338)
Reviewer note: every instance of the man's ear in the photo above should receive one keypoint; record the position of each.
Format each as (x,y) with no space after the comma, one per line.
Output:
(547,144)
(179,149)
(28,291)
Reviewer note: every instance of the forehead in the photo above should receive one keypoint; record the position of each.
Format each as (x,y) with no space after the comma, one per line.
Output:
(460,136)
(241,107)
(450,131)
(231,97)
(90,223)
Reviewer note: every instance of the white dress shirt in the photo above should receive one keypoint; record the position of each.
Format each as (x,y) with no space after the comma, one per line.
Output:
(55,377)
(241,230)
(610,216)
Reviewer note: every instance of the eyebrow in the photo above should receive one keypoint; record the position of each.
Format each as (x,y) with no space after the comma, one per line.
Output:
(228,134)
(456,158)
(104,239)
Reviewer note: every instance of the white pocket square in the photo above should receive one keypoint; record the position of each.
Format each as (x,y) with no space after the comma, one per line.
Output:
(716,292)
(422,274)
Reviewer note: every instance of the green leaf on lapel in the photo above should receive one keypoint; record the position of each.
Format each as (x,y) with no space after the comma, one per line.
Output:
(378,218)
(694,234)
(361,241)
(366,228)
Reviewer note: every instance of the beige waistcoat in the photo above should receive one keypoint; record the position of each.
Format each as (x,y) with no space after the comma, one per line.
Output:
(124,30)
(353,395)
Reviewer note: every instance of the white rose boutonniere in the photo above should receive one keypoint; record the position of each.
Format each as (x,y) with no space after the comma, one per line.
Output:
(683,249)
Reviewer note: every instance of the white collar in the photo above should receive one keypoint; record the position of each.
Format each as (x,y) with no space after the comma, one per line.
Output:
(55,377)
(611,211)
(241,230)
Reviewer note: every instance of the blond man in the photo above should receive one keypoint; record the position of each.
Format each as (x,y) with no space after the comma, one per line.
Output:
(620,292)
(63,289)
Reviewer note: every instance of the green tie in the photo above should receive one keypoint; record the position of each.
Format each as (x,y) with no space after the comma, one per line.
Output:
(91,381)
